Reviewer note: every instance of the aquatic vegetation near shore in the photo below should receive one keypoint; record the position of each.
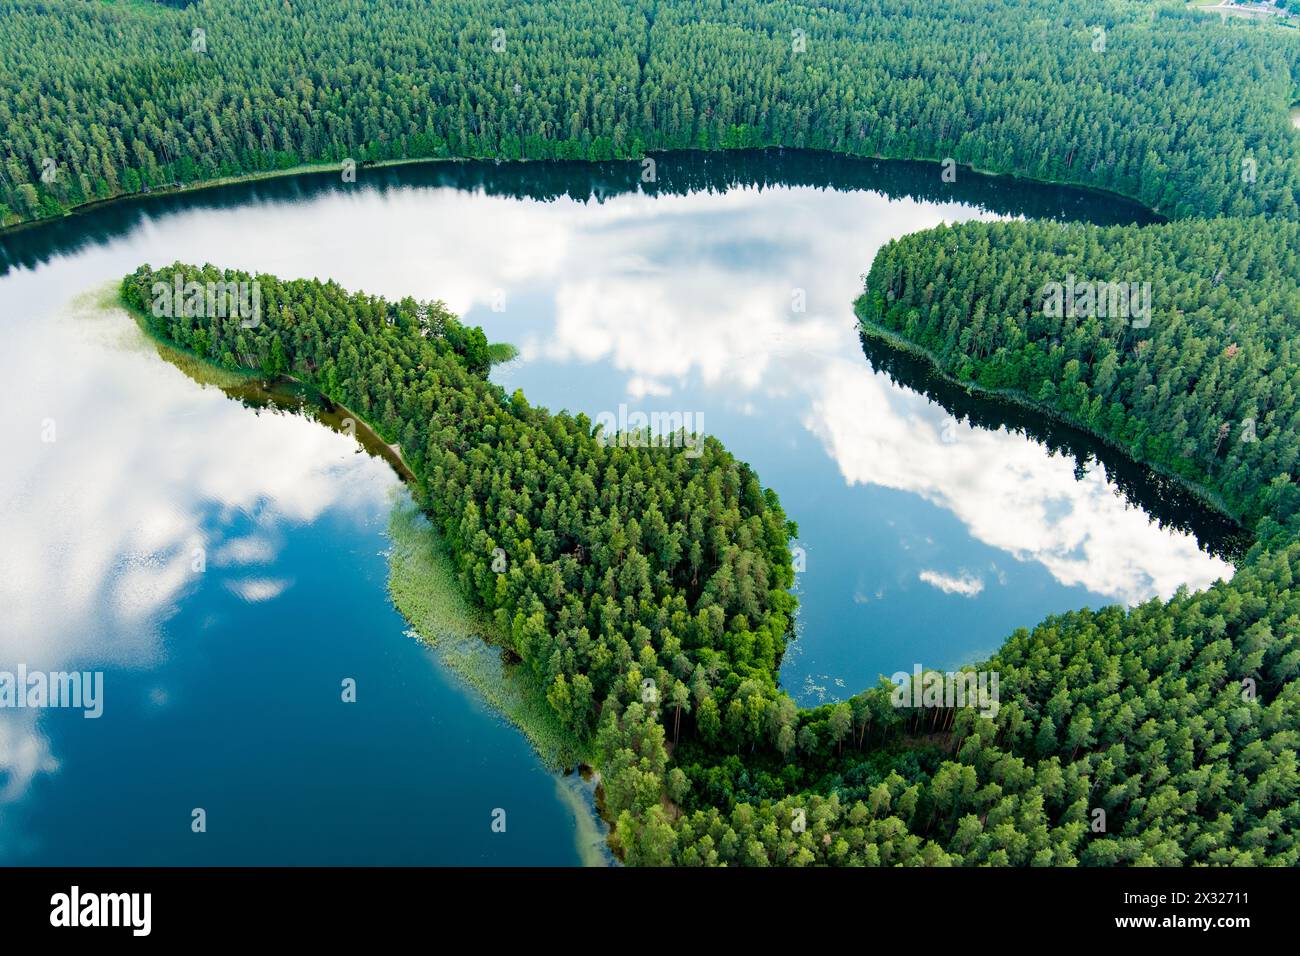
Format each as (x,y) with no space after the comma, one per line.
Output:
(423,586)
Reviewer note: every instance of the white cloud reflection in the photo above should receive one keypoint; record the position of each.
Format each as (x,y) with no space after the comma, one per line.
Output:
(695,295)
(101,525)
(1006,489)
(255,590)
(965,584)
(686,292)
(710,312)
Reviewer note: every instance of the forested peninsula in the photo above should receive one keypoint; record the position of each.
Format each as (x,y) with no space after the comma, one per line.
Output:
(645,591)
(1177,720)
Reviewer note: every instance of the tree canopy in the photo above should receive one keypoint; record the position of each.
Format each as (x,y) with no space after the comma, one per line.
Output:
(645,591)
(1165,105)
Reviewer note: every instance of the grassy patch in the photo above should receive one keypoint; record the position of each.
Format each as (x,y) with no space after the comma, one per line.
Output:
(424,587)
(592,834)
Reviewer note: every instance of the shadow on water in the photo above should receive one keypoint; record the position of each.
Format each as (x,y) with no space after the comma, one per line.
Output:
(1164,499)
(285,394)
(677,173)
(281,394)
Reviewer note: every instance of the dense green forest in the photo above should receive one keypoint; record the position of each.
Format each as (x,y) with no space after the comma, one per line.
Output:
(1153,101)
(646,591)
(1140,714)
(604,566)
(1206,386)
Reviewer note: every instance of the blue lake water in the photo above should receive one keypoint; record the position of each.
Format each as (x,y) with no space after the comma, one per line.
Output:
(930,527)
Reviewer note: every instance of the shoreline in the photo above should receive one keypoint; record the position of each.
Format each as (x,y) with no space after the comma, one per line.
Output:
(1013,397)
(332,414)
(306,169)
(302,169)
(422,587)
(463,641)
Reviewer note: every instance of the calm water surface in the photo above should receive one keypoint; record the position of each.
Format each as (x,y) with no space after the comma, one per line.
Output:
(930,525)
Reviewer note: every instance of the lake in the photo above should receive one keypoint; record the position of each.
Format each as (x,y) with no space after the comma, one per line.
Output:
(930,524)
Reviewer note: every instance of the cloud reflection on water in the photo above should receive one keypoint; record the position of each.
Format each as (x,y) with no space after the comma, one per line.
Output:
(680,298)
(101,525)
